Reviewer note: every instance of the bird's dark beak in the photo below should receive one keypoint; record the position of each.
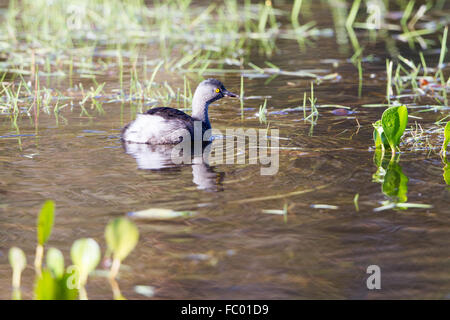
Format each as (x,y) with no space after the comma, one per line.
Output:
(229,94)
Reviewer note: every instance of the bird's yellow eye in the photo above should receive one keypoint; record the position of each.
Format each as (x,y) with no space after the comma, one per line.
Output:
(217,90)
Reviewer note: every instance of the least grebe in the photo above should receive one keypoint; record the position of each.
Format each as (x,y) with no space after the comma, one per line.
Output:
(161,125)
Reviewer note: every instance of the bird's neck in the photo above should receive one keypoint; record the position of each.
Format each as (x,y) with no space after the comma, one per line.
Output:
(200,109)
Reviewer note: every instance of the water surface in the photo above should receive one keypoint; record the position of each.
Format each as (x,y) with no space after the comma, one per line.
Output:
(231,249)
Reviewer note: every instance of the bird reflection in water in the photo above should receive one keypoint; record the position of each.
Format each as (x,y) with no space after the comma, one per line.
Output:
(158,157)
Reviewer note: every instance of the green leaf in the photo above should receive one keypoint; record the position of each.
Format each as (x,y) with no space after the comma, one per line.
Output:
(395,184)
(45,287)
(49,288)
(447,173)
(85,254)
(121,236)
(55,262)
(17,259)
(378,136)
(45,222)
(394,121)
(446,138)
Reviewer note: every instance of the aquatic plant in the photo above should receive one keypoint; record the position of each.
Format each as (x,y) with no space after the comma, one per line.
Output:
(356,202)
(85,254)
(262,112)
(314,112)
(446,173)
(50,287)
(55,262)
(283,212)
(18,262)
(121,237)
(295,13)
(44,228)
(389,81)
(394,121)
(446,139)
(241,98)
(79,44)
(54,281)
(389,130)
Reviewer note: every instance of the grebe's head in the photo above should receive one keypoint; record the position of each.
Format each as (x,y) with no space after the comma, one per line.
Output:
(211,90)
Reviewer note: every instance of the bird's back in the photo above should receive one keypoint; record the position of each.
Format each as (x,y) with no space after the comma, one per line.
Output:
(161,125)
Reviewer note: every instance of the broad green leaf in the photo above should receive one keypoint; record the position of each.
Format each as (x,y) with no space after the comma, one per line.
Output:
(121,236)
(49,288)
(377,138)
(45,222)
(447,173)
(394,121)
(446,138)
(395,184)
(85,254)
(55,262)
(17,259)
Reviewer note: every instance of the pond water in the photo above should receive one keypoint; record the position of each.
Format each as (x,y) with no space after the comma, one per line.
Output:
(230,248)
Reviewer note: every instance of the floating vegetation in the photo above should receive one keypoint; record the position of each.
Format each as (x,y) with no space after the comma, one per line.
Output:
(356,202)
(324,206)
(283,212)
(159,213)
(147,291)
